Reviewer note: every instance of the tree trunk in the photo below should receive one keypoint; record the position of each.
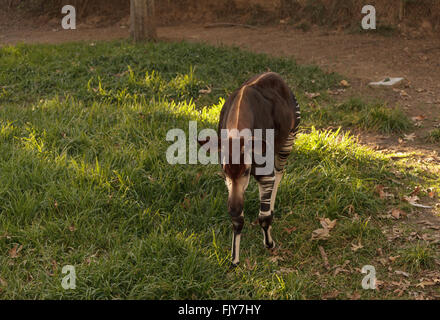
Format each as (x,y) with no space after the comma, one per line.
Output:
(401,10)
(142,20)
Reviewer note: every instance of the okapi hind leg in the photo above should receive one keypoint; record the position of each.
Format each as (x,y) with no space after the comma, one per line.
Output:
(265,217)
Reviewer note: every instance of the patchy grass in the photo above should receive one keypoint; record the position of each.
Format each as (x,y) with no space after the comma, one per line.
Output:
(418,256)
(356,113)
(85,182)
(434,136)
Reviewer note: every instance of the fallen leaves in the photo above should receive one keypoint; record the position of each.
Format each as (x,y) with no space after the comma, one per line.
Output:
(344,83)
(397,213)
(331,295)
(335,92)
(356,247)
(429,225)
(324,232)
(208,90)
(15,251)
(403,273)
(324,257)
(418,118)
(290,230)
(424,284)
(312,95)
(249,265)
(327,223)
(409,137)
(342,268)
(354,296)
(380,189)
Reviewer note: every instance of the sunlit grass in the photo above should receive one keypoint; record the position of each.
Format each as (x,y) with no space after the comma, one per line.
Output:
(356,113)
(85,181)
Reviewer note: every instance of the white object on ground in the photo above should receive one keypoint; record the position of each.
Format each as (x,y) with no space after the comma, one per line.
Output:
(387,82)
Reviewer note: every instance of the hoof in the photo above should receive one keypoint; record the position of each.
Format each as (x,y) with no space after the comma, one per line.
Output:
(233,265)
(270,246)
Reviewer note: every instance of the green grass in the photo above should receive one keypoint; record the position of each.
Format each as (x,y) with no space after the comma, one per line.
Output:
(357,113)
(434,136)
(418,256)
(85,181)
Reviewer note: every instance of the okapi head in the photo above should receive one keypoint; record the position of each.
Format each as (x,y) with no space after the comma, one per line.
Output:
(237,154)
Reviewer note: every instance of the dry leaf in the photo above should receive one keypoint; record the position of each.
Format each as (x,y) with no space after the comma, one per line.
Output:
(355,296)
(327,223)
(14,252)
(356,247)
(275,259)
(290,230)
(426,283)
(382,194)
(312,95)
(324,233)
(409,137)
(344,83)
(72,228)
(418,118)
(411,199)
(205,91)
(324,257)
(331,295)
(397,213)
(402,273)
(335,92)
(320,234)
(416,191)
(249,265)
(403,93)
(286,270)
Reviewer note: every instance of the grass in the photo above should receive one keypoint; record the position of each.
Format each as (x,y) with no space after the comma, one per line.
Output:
(355,112)
(418,256)
(434,136)
(85,181)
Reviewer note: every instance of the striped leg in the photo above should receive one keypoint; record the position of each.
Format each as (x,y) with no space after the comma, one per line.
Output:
(278,177)
(266,187)
(280,163)
(285,150)
(237,224)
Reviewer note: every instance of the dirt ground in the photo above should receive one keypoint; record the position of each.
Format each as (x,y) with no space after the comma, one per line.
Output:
(361,58)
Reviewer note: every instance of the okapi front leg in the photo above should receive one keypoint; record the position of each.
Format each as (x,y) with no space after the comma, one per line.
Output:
(237,226)
(265,217)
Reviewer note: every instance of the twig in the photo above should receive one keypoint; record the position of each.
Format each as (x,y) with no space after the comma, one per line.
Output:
(324,257)
(223,24)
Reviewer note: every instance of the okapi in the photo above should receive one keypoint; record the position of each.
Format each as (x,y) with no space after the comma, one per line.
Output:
(263,102)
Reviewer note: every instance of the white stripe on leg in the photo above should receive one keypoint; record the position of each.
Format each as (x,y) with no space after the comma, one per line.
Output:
(278,177)
(236,248)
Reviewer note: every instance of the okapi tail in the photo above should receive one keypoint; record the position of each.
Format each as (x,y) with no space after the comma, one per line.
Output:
(297,113)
